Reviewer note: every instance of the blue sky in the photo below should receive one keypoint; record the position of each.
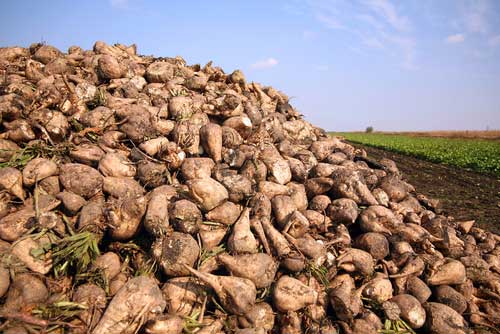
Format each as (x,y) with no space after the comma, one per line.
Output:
(347,64)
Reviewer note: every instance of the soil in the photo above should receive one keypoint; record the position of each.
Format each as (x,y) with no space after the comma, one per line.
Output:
(463,194)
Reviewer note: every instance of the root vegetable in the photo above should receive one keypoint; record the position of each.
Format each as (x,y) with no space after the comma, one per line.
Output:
(242,239)
(356,259)
(4,280)
(46,53)
(100,117)
(446,295)
(242,124)
(320,203)
(276,165)
(164,324)
(417,288)
(254,170)
(346,302)
(271,189)
(109,68)
(318,186)
(260,315)
(117,165)
(448,272)
(239,187)
(11,180)
(117,283)
(411,310)
(109,263)
(294,262)
(197,168)
(87,154)
(156,220)
(237,295)
(182,295)
(207,192)
(379,289)
(283,207)
(442,319)
(374,243)
(37,170)
(277,240)
(211,140)
(80,179)
(290,294)
(298,194)
(124,217)
(7,149)
(23,251)
(260,268)
(136,302)
(50,185)
(94,298)
(297,225)
(349,184)
(378,219)
(227,213)
(343,211)
(122,187)
(25,289)
(185,216)
(174,252)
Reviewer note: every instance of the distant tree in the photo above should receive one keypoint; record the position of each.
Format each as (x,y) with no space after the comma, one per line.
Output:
(369,129)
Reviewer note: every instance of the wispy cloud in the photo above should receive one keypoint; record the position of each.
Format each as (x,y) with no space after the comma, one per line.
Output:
(476,16)
(494,41)
(371,21)
(119,3)
(407,46)
(455,39)
(386,10)
(373,42)
(376,24)
(265,63)
(329,21)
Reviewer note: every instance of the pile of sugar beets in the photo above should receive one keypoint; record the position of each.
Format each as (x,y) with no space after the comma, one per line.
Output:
(145,195)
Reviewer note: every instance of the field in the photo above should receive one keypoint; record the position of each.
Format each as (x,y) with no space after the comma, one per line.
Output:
(489,134)
(480,155)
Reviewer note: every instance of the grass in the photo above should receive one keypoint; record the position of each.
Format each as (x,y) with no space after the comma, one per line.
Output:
(75,252)
(24,155)
(475,154)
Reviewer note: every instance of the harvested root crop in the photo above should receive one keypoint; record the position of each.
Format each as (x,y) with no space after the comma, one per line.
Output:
(147,195)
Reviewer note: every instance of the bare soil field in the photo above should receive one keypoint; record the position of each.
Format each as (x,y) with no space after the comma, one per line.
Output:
(464,195)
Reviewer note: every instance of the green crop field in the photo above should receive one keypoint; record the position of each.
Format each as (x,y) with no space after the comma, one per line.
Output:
(475,154)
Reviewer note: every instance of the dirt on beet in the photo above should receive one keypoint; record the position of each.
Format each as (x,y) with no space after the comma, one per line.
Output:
(465,195)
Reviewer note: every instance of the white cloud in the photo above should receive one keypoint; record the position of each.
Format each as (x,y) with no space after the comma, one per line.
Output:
(263,64)
(119,3)
(455,39)
(494,41)
(386,10)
